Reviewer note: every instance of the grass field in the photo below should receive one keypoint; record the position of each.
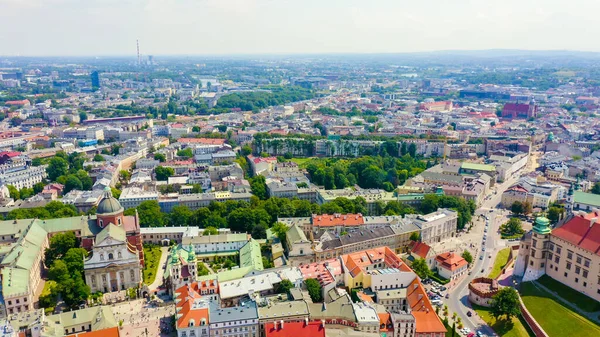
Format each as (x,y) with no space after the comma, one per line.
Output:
(555,317)
(500,262)
(573,296)
(514,328)
(300,161)
(152,258)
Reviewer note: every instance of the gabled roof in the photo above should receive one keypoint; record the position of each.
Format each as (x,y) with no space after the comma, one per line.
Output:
(420,249)
(326,220)
(113,231)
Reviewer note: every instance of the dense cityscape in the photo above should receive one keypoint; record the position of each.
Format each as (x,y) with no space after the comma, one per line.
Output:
(405,195)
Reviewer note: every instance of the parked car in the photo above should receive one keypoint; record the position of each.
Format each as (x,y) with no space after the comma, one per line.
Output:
(443,288)
(481,257)
(469,314)
(447,296)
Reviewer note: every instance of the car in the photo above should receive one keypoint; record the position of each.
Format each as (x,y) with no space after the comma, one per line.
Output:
(469,314)
(479,333)
(443,288)
(491,210)
(483,249)
(485,230)
(470,334)
(482,271)
(490,256)
(447,296)
(481,257)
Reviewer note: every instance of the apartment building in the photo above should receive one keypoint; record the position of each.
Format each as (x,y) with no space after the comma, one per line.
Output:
(436,226)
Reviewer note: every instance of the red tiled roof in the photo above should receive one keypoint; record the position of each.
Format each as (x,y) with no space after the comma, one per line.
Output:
(326,220)
(451,261)
(294,329)
(581,232)
(21,102)
(520,107)
(9,154)
(419,248)
(427,321)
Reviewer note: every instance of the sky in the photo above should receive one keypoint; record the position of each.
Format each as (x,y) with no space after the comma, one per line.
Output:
(209,27)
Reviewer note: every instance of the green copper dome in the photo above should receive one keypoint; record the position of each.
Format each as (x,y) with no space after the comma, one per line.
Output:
(542,225)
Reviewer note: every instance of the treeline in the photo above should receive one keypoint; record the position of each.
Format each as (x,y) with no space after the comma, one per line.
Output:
(256,100)
(367,172)
(52,210)
(352,113)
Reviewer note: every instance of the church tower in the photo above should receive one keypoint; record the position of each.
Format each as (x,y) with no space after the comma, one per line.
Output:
(192,264)
(540,241)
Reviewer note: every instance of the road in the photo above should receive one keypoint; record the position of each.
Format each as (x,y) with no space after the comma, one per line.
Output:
(458,301)
(459,294)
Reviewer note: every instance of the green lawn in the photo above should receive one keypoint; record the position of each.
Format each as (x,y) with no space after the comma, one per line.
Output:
(556,318)
(300,161)
(576,298)
(152,259)
(517,327)
(500,262)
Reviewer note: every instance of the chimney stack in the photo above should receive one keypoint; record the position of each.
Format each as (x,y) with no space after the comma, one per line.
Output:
(593,221)
(281,324)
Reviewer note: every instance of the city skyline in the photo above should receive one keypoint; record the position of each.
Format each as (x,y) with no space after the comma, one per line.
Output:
(234,27)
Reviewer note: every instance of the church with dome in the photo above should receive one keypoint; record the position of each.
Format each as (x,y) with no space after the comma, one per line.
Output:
(116,254)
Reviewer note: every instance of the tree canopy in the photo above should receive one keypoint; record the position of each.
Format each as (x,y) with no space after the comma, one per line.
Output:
(506,303)
(419,266)
(314,290)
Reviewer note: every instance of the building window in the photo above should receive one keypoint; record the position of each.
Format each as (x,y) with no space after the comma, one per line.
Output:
(585,273)
(585,284)
(569,255)
(119,255)
(558,249)
(101,257)
(579,259)
(556,259)
(568,265)
(576,280)
(577,270)
(566,275)
(586,263)
(110,256)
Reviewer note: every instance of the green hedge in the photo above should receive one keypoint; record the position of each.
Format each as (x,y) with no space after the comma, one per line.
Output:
(436,277)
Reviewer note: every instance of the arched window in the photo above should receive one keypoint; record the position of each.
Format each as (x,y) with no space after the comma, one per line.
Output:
(119,255)
(110,256)
(191,323)
(101,223)
(101,257)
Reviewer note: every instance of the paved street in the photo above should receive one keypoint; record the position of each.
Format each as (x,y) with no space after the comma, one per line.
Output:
(141,319)
(458,301)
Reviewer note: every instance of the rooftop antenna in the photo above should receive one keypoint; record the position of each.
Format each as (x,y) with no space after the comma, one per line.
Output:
(139,61)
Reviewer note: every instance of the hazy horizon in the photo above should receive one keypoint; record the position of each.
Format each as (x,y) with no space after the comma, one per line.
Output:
(288,27)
